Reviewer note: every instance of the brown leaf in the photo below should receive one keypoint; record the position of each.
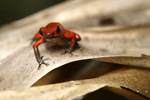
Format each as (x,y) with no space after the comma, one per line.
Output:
(122,46)
(125,41)
(136,80)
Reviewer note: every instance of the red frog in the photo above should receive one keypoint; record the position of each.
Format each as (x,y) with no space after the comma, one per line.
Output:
(54,34)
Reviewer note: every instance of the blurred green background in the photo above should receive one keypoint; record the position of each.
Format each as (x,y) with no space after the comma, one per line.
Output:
(11,10)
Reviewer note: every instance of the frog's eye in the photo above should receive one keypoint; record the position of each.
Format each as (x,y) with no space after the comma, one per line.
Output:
(58,30)
(40,32)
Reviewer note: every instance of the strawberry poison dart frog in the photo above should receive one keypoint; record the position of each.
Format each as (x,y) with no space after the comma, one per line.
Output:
(54,34)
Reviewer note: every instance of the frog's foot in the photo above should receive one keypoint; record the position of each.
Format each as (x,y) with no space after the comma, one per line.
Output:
(41,61)
(67,51)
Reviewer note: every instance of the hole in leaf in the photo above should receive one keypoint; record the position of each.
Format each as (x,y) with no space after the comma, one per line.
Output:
(107,21)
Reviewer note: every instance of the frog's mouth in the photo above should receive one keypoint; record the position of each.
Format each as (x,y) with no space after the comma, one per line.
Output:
(52,39)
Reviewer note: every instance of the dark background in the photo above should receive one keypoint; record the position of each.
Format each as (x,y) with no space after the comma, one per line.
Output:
(11,10)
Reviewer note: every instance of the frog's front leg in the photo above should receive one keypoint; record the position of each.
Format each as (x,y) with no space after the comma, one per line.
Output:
(39,59)
(72,44)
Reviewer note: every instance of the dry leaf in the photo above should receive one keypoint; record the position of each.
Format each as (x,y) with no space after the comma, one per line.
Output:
(123,46)
(125,41)
(128,78)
